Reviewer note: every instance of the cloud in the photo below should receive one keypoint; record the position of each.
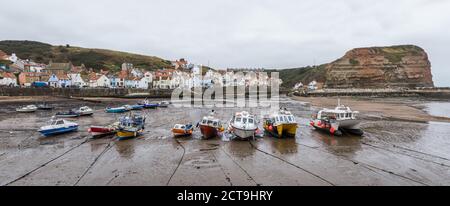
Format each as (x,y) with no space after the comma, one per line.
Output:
(248,33)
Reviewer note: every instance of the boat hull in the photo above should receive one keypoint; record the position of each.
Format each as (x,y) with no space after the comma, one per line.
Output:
(284,130)
(181,132)
(209,132)
(116,110)
(25,111)
(244,133)
(51,132)
(97,132)
(87,114)
(124,134)
(150,106)
(67,115)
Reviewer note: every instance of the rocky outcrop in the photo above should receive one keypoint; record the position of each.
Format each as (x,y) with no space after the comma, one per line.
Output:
(381,67)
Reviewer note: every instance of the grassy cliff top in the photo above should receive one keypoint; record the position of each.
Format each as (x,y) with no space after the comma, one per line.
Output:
(92,58)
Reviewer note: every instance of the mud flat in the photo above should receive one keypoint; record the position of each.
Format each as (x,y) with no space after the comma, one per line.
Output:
(391,152)
(404,109)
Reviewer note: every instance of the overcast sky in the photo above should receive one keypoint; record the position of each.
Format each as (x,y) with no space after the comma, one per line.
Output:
(245,33)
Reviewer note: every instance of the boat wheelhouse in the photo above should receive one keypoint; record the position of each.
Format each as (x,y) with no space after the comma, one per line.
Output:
(281,124)
(243,125)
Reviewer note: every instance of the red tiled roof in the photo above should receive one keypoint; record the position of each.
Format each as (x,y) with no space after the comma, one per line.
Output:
(8,75)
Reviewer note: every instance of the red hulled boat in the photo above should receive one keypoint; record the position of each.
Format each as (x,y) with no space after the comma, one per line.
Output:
(102,131)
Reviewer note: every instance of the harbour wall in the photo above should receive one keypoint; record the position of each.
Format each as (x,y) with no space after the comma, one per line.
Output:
(86,92)
(439,93)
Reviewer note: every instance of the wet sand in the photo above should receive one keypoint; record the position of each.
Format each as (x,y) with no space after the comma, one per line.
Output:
(390,153)
(405,109)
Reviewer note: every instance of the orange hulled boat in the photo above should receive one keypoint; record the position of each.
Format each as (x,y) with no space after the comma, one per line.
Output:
(210,126)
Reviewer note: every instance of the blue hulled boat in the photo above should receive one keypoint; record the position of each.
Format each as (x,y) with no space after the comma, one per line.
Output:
(58,126)
(137,107)
(148,105)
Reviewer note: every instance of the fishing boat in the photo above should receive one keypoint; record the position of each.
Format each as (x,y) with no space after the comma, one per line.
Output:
(45,106)
(148,105)
(243,125)
(130,126)
(181,130)
(137,107)
(58,126)
(85,111)
(27,109)
(210,126)
(122,109)
(68,114)
(338,120)
(281,124)
(103,131)
(164,104)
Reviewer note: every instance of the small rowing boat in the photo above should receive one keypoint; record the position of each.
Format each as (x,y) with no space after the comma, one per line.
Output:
(27,109)
(85,111)
(122,109)
(164,104)
(103,131)
(181,130)
(58,126)
(148,105)
(45,106)
(68,114)
(137,107)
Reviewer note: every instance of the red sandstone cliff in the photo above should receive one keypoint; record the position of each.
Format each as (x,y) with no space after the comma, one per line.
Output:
(381,67)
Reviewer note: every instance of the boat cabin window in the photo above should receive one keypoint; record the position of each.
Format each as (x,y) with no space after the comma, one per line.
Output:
(204,121)
(210,122)
(245,120)
(278,119)
(251,121)
(59,122)
(216,124)
(291,119)
(238,119)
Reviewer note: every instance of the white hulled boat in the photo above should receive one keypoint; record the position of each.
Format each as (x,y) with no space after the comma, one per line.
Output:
(337,120)
(243,125)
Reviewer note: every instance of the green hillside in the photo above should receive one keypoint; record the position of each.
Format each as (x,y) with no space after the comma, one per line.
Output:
(305,75)
(92,58)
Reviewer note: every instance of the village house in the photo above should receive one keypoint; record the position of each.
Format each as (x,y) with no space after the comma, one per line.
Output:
(98,80)
(3,55)
(64,81)
(313,85)
(26,79)
(132,82)
(13,58)
(180,64)
(8,79)
(127,67)
(146,81)
(163,79)
(76,80)
(53,81)
(58,68)
(298,86)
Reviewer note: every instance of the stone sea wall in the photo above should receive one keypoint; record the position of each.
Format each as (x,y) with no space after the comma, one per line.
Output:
(85,92)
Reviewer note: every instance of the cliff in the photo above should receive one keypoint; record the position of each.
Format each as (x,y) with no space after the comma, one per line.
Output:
(381,67)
